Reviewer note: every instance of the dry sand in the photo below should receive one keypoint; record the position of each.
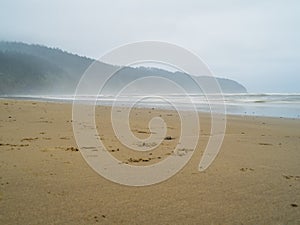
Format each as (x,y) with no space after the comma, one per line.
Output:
(43,179)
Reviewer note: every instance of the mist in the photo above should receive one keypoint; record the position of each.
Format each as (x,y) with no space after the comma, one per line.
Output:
(256,44)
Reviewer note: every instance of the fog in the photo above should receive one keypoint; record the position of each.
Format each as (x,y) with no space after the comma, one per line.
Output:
(256,43)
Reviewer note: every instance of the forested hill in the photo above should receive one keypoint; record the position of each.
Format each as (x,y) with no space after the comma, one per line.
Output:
(35,69)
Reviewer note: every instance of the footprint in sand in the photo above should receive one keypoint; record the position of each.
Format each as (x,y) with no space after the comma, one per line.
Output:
(288,177)
(168,138)
(246,169)
(73,149)
(146,144)
(114,150)
(14,145)
(29,139)
(97,219)
(64,138)
(264,143)
(46,138)
(142,132)
(138,160)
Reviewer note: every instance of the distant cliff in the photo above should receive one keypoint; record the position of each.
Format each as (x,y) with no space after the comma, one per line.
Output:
(36,69)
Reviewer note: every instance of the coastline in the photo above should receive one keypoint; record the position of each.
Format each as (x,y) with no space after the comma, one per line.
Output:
(255,178)
(230,108)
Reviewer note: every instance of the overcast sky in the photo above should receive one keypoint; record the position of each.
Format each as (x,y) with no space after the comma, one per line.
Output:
(254,42)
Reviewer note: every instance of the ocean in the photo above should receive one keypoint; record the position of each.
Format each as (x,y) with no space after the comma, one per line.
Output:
(286,105)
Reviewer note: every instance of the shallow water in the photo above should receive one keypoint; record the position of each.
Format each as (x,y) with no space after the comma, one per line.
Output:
(285,105)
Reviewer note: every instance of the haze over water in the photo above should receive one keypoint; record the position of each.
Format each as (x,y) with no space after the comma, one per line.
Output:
(285,105)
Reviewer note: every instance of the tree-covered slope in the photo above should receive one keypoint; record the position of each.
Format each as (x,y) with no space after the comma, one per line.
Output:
(35,69)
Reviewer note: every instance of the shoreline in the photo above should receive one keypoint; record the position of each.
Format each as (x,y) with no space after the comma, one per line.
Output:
(67,102)
(254,179)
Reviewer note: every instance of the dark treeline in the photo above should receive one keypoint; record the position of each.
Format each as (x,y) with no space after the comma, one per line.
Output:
(35,69)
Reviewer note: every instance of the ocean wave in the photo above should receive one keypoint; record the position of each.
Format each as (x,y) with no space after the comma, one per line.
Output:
(266,104)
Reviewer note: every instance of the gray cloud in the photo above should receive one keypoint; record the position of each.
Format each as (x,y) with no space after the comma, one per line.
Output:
(254,42)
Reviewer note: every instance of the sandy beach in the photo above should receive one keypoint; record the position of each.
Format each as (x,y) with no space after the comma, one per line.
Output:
(255,178)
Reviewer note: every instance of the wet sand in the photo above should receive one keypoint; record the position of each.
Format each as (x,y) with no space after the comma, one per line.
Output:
(44,179)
